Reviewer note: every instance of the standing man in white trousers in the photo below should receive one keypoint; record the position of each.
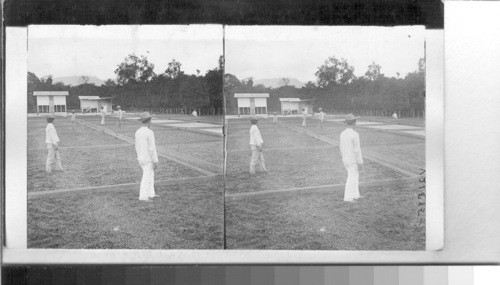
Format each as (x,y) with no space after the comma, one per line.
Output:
(52,141)
(103,115)
(304,117)
(321,117)
(119,116)
(147,157)
(256,143)
(352,158)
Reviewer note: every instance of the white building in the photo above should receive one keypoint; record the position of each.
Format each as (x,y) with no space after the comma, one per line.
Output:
(94,103)
(50,101)
(252,103)
(295,106)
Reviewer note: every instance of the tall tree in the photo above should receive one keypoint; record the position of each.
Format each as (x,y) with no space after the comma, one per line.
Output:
(247,81)
(214,81)
(47,81)
(373,71)
(134,69)
(334,71)
(193,92)
(174,69)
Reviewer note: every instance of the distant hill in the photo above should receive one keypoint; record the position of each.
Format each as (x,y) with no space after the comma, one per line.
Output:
(278,82)
(77,80)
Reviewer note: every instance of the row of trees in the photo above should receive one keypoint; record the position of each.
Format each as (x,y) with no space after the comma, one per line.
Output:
(337,88)
(138,86)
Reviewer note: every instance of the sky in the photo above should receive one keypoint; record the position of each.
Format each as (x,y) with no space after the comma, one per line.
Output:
(67,50)
(297,52)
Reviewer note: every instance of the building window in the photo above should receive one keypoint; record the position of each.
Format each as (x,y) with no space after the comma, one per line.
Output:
(260,110)
(244,110)
(59,108)
(43,108)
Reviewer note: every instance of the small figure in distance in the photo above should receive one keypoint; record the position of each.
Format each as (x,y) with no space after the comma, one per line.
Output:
(119,116)
(304,117)
(103,115)
(321,117)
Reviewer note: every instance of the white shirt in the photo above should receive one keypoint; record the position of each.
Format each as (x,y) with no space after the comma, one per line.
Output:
(194,114)
(73,116)
(119,114)
(394,116)
(304,113)
(350,147)
(255,138)
(275,119)
(51,134)
(321,116)
(145,145)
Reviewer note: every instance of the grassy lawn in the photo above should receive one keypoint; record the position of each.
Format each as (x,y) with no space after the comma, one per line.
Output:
(417,122)
(207,151)
(188,216)
(281,139)
(96,167)
(201,146)
(385,220)
(80,137)
(165,136)
(413,154)
(295,169)
(372,138)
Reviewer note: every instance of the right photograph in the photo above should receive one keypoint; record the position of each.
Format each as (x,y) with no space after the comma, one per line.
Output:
(325,138)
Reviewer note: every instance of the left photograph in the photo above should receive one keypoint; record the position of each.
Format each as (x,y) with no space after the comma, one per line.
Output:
(125,143)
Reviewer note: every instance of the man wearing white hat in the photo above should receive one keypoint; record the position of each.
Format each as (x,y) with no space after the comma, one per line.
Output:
(352,158)
(119,116)
(321,117)
(256,143)
(304,116)
(103,115)
(52,141)
(147,157)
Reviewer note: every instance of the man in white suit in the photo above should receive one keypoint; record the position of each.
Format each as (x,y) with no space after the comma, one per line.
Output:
(119,116)
(352,158)
(147,156)
(321,117)
(52,141)
(304,116)
(103,115)
(256,143)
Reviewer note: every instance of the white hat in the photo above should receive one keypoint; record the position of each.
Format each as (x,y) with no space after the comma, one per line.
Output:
(350,118)
(145,116)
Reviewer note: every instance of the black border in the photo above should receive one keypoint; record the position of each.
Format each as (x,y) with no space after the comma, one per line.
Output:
(429,13)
